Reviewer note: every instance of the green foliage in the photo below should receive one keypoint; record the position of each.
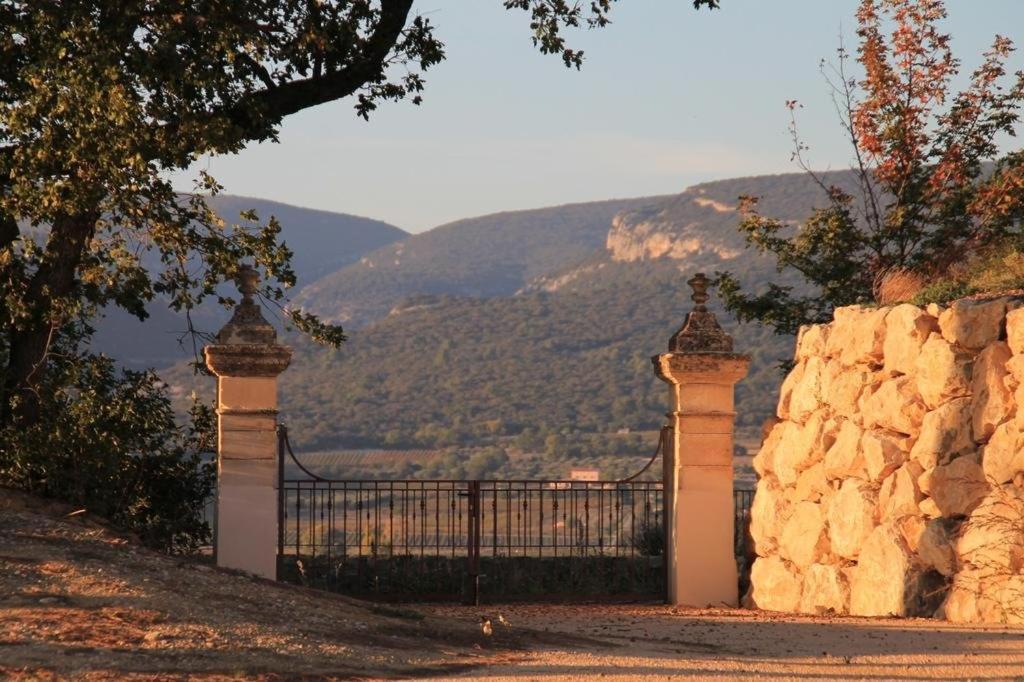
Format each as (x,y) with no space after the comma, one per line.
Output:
(994,269)
(108,442)
(923,200)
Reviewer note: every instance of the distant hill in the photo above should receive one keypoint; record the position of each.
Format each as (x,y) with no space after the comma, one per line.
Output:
(480,333)
(322,242)
(493,255)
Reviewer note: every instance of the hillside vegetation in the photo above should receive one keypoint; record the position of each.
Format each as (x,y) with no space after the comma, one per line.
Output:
(542,361)
(463,370)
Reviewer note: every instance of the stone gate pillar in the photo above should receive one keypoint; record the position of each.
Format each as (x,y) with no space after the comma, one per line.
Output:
(702,371)
(247,360)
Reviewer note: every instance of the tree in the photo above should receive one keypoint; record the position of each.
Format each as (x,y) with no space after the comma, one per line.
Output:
(926,196)
(100,99)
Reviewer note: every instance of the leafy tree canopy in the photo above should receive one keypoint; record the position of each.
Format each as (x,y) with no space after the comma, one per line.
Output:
(925,198)
(99,101)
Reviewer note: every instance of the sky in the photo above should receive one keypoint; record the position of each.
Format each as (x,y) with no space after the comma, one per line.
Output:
(667,97)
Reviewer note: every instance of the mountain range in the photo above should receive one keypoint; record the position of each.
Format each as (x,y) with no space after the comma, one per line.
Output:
(528,324)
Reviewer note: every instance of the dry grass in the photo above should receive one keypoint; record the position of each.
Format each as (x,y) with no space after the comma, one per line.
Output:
(898,285)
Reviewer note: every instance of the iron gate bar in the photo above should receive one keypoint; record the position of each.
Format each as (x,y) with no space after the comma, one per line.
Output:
(603,530)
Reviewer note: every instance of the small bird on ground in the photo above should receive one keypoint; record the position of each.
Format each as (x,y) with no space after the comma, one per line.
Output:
(501,619)
(485,625)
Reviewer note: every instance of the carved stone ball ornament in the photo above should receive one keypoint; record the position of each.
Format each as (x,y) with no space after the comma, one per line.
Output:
(701,332)
(247,344)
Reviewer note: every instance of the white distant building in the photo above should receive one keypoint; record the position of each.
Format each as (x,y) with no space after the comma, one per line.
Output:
(584,474)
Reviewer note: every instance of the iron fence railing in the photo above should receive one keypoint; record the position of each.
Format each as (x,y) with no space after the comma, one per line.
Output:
(440,538)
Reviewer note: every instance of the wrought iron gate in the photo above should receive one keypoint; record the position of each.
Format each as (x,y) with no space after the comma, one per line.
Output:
(452,539)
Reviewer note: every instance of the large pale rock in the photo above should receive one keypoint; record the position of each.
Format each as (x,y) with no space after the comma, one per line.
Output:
(763,461)
(807,392)
(804,540)
(907,327)
(811,341)
(883,576)
(1015,330)
(930,540)
(845,458)
(882,455)
(851,517)
(945,434)
(993,400)
(812,485)
(992,539)
(842,387)
(825,590)
(768,514)
(957,488)
(942,371)
(775,586)
(976,596)
(973,324)
(896,406)
(857,335)
(900,494)
(1007,592)
(786,390)
(1003,456)
(800,447)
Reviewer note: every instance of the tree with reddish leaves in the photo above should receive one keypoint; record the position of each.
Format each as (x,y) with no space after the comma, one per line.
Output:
(931,189)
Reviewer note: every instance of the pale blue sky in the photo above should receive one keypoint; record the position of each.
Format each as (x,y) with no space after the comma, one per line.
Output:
(667,97)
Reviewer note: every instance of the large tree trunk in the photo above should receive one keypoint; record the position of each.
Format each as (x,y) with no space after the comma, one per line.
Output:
(29,343)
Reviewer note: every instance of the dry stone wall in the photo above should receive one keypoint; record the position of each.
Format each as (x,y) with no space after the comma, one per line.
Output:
(892,483)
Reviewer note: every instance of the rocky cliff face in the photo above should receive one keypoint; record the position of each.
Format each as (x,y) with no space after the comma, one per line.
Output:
(893,481)
(710,228)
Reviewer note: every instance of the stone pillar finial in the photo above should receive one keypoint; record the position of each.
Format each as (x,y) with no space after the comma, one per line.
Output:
(699,283)
(701,370)
(247,280)
(701,332)
(247,361)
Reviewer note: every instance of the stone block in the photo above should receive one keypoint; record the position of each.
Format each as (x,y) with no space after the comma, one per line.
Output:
(247,393)
(857,335)
(804,540)
(943,371)
(907,327)
(825,591)
(845,458)
(973,324)
(247,438)
(851,517)
(957,487)
(881,580)
(993,400)
(1003,457)
(775,585)
(945,434)
(895,406)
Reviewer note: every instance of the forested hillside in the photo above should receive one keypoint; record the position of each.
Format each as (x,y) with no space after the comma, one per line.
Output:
(541,346)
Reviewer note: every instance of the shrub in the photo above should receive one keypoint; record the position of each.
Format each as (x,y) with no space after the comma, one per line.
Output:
(108,442)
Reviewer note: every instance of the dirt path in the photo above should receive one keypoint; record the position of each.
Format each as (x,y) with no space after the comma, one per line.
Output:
(79,601)
(638,642)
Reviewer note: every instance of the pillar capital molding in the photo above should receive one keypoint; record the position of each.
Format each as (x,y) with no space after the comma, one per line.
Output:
(247,359)
(701,367)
